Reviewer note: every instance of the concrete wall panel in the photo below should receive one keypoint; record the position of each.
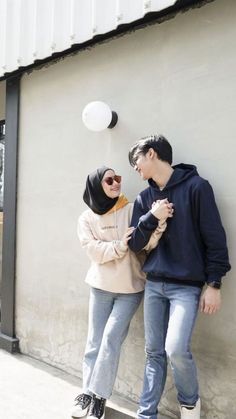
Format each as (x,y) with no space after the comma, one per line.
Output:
(177,78)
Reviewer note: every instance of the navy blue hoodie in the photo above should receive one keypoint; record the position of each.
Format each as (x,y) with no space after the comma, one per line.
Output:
(193,247)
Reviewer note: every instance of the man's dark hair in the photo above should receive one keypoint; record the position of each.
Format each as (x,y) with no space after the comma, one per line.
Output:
(159,144)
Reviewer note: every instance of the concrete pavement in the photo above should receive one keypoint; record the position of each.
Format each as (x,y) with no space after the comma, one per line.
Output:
(30,389)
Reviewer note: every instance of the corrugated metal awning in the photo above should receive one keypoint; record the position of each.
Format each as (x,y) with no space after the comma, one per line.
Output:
(32,30)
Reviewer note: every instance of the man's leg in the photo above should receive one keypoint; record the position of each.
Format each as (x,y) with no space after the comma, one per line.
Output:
(156,316)
(184,302)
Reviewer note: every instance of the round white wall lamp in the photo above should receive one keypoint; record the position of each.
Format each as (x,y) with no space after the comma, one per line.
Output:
(98,116)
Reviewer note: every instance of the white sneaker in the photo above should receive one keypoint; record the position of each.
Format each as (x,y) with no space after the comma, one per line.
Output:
(191,413)
(82,404)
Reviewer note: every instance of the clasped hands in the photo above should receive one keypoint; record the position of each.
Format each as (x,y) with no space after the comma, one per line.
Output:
(162,209)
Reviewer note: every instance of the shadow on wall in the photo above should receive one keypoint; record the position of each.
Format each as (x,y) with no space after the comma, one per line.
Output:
(217,388)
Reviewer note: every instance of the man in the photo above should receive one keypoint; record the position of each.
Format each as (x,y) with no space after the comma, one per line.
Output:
(192,252)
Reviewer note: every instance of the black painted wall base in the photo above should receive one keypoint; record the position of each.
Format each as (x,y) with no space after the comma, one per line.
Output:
(9,344)
(7,329)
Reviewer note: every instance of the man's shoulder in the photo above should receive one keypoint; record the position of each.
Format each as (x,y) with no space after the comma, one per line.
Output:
(145,192)
(143,195)
(142,199)
(197,181)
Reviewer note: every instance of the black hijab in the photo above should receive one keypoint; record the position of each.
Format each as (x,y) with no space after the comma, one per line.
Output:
(94,195)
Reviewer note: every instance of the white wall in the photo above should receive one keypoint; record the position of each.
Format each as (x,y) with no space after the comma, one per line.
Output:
(177,78)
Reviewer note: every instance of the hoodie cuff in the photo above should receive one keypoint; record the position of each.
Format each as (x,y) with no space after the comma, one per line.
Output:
(214,277)
(149,221)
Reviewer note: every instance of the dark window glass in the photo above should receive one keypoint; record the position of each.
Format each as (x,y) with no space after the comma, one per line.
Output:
(2,153)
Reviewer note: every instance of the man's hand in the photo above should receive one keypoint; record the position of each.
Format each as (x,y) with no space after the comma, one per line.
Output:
(162,209)
(210,301)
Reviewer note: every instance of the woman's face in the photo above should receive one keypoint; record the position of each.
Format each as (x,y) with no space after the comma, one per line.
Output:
(111,184)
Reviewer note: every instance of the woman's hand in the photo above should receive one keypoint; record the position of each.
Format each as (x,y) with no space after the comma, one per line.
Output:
(126,237)
(162,209)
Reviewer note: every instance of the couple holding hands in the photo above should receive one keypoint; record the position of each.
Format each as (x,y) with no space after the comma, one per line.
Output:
(172,243)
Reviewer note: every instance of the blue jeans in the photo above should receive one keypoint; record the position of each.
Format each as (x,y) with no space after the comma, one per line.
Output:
(109,319)
(170,312)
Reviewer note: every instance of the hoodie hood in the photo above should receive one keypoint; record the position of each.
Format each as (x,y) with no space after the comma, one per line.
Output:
(181,173)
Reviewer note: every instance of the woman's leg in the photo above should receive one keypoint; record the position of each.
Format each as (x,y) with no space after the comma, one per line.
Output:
(117,326)
(100,308)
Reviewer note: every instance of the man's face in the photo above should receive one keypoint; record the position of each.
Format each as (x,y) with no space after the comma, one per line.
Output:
(143,165)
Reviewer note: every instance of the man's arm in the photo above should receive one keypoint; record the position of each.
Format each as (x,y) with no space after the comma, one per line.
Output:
(146,223)
(214,238)
(212,233)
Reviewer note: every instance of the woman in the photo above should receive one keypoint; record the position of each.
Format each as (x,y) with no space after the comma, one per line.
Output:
(116,282)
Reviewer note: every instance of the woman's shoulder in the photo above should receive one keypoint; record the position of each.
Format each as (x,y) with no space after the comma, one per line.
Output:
(127,208)
(130,206)
(87,215)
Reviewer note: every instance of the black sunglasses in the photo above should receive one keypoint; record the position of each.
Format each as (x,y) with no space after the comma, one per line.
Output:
(110,179)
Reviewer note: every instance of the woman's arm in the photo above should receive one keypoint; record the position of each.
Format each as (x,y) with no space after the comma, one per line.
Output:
(155,237)
(97,250)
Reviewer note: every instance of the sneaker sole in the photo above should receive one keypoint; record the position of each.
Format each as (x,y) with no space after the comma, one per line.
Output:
(82,414)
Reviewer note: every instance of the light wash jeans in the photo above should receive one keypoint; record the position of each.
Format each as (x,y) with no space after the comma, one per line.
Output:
(170,312)
(109,319)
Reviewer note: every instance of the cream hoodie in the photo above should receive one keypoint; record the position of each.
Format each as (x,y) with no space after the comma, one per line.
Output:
(114,267)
